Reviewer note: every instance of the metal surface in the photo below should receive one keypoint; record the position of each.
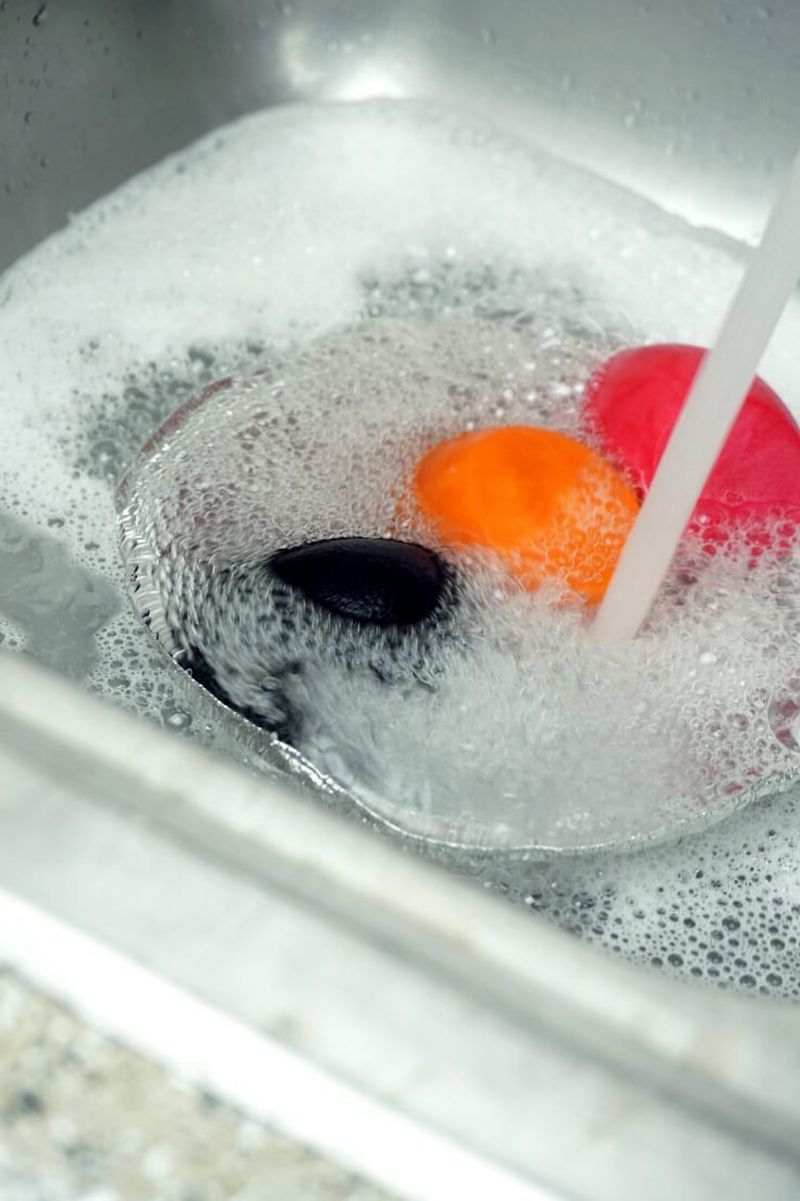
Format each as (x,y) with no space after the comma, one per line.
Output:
(515,1048)
(692,103)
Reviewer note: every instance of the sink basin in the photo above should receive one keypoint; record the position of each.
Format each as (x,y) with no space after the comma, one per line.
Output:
(516,1056)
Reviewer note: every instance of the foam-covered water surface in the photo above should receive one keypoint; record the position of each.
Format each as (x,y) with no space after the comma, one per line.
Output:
(520,732)
(722,907)
(375,276)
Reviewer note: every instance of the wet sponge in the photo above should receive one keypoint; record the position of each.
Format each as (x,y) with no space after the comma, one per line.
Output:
(633,402)
(547,505)
(370,581)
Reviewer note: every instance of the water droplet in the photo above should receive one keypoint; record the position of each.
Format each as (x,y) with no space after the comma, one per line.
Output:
(177,719)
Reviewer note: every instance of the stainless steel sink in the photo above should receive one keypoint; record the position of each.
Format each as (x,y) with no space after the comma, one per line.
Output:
(693,104)
(434,1038)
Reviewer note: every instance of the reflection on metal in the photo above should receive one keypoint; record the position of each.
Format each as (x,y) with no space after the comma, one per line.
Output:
(371,80)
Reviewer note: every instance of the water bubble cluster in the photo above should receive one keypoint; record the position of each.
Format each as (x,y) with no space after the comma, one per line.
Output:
(524,734)
(721,908)
(402,262)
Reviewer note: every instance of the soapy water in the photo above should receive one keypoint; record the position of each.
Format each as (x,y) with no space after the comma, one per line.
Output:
(491,279)
(500,726)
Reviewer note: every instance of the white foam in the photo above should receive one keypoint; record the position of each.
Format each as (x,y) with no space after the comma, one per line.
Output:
(264,229)
(528,735)
(286,225)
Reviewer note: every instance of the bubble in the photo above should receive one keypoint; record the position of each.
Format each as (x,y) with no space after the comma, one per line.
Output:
(176,719)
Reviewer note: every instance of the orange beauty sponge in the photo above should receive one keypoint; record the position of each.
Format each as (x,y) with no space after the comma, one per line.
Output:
(547,505)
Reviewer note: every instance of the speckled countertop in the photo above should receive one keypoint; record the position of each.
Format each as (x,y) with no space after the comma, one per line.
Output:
(84,1119)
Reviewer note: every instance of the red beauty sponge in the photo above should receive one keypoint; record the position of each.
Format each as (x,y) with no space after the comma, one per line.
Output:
(632,404)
